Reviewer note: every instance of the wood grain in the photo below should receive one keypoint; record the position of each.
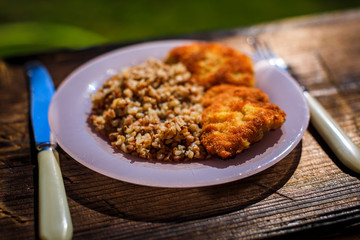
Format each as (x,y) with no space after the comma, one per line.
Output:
(309,194)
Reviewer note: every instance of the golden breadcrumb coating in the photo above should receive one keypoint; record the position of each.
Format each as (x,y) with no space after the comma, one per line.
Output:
(237,118)
(222,91)
(212,64)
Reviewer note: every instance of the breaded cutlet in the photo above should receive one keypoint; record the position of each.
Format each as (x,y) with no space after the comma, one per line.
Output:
(212,64)
(237,118)
(222,91)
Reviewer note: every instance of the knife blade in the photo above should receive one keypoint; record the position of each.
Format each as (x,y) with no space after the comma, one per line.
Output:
(54,214)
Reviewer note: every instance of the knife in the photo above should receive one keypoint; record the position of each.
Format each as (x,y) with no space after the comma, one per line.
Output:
(54,214)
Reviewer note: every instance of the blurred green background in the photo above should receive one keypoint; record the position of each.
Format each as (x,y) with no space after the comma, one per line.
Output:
(33,26)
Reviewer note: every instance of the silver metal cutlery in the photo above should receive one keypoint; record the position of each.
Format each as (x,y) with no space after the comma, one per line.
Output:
(339,142)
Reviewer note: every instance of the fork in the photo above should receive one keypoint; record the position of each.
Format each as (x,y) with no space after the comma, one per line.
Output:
(341,144)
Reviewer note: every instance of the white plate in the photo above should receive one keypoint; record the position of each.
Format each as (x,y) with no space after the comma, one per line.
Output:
(71,105)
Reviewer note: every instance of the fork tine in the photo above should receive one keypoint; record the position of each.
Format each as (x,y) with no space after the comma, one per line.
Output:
(263,51)
(253,42)
(268,50)
(261,48)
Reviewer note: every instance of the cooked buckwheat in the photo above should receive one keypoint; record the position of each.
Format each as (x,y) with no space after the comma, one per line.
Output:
(153,111)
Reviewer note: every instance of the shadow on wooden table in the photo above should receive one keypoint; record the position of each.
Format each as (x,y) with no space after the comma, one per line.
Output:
(140,203)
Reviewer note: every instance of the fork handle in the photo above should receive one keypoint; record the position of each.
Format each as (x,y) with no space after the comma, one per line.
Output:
(343,147)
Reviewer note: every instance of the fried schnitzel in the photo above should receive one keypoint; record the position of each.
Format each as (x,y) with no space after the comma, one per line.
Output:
(236,115)
(212,64)
(237,118)
(223,91)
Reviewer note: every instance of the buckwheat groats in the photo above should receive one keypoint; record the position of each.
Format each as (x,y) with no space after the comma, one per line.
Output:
(151,110)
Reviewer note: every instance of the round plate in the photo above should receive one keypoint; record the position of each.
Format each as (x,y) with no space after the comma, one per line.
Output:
(71,106)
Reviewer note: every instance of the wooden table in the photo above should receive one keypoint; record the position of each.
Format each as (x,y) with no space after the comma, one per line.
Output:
(307,194)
